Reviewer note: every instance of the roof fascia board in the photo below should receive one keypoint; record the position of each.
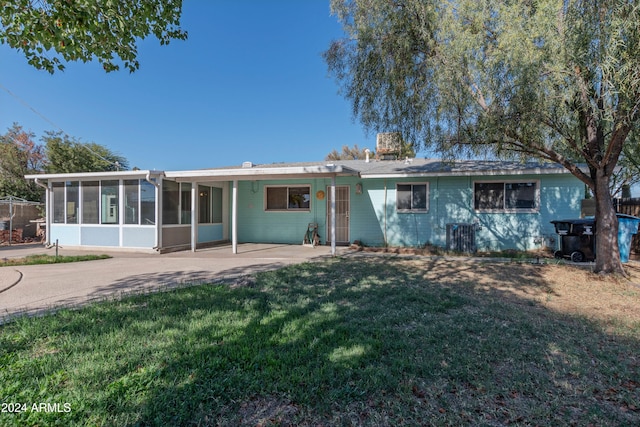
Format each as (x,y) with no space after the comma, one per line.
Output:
(93,175)
(262,173)
(468,173)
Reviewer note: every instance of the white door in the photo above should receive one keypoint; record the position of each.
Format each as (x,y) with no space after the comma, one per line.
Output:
(342,215)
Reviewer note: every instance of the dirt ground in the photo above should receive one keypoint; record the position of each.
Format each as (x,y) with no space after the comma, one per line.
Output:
(612,299)
(569,289)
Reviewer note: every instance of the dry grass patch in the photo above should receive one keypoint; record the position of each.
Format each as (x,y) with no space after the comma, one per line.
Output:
(563,288)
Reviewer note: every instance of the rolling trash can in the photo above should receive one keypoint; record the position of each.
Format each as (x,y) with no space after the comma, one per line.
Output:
(627,227)
(577,239)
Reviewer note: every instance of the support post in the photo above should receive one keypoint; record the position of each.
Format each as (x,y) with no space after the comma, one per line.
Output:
(194,209)
(234,217)
(333,215)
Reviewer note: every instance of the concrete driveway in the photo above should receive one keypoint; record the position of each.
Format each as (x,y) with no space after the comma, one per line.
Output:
(37,289)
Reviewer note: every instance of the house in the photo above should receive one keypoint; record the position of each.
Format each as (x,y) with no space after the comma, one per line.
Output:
(463,205)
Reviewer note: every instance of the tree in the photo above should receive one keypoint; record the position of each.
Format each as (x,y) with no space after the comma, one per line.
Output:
(46,31)
(66,155)
(629,171)
(348,153)
(19,155)
(558,80)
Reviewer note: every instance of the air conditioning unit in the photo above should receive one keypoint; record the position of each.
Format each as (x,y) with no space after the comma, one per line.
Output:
(388,143)
(461,238)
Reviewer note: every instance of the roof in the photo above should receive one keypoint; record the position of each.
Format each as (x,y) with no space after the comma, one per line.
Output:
(371,169)
(273,171)
(436,167)
(391,168)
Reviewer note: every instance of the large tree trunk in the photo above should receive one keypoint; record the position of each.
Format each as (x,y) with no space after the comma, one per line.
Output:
(607,250)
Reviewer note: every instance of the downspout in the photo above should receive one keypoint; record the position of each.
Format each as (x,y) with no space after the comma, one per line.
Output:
(158,239)
(47,217)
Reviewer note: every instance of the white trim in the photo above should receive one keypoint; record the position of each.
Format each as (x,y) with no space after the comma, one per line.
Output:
(333,216)
(234,217)
(500,172)
(271,172)
(194,219)
(92,176)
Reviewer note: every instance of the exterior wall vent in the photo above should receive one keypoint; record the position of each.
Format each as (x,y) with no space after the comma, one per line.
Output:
(247,164)
(461,238)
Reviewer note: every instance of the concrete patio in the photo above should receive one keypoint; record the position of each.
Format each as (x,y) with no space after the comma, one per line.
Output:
(34,289)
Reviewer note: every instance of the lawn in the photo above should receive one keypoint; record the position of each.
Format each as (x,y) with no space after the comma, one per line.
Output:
(48,259)
(369,341)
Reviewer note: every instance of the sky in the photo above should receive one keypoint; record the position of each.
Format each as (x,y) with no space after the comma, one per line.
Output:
(249,84)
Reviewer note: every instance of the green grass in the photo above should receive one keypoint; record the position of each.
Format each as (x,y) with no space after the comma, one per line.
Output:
(343,342)
(49,259)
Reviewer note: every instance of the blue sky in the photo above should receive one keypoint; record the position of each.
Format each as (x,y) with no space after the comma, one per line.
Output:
(249,84)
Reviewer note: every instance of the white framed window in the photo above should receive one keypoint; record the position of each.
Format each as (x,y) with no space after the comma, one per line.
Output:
(176,202)
(209,205)
(412,197)
(287,198)
(506,196)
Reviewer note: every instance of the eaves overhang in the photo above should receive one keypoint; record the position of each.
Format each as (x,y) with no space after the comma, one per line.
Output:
(466,173)
(87,176)
(256,173)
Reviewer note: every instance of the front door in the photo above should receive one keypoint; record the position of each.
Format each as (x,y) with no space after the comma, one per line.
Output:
(342,215)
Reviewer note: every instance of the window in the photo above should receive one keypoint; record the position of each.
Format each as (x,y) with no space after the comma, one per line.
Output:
(506,196)
(147,203)
(204,205)
(216,199)
(58,202)
(170,202)
(210,205)
(176,202)
(97,202)
(412,197)
(73,202)
(110,201)
(288,198)
(131,201)
(185,203)
(90,202)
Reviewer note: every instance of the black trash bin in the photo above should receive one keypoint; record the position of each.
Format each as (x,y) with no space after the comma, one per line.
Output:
(577,239)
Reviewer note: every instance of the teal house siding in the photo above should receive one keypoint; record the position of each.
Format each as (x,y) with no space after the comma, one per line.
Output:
(375,220)
(371,217)
(560,197)
(367,219)
(255,224)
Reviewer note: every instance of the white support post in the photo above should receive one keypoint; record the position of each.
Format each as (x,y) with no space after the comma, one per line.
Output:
(48,215)
(234,217)
(159,218)
(333,215)
(194,225)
